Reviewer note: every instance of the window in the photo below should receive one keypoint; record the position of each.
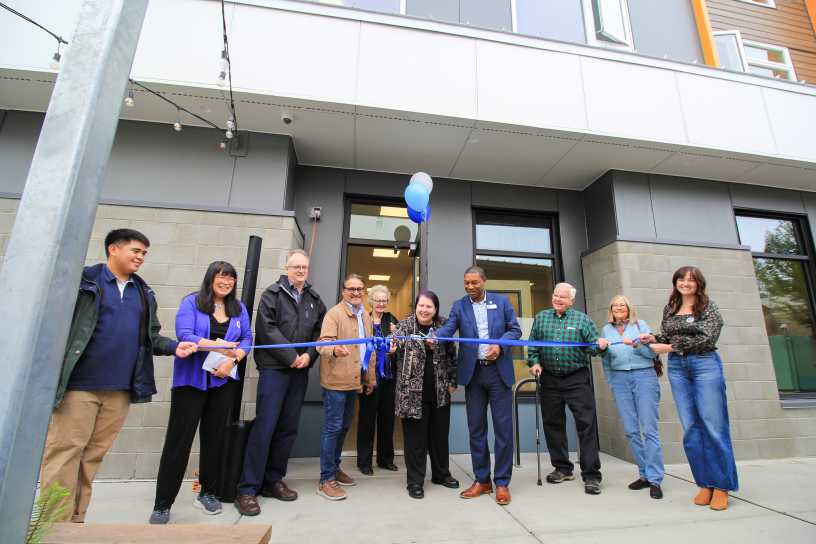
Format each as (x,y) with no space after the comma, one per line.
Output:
(768,60)
(607,23)
(385,6)
(369,221)
(517,251)
(753,57)
(766,3)
(784,269)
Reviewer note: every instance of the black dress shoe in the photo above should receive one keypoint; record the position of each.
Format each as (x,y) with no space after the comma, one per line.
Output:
(388,466)
(655,492)
(416,492)
(638,484)
(449,482)
(367,471)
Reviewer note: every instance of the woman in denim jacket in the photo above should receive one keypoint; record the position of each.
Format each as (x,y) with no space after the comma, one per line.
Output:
(629,369)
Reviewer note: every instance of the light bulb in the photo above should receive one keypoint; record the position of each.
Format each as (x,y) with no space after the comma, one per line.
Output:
(228,134)
(230,123)
(177,126)
(129,101)
(55,61)
(223,67)
(223,144)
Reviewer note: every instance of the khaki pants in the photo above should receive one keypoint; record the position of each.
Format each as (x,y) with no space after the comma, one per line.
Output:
(81,431)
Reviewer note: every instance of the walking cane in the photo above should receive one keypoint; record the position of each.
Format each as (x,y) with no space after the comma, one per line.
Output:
(538,435)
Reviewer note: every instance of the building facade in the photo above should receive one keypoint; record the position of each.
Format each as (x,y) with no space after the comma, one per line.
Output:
(604,143)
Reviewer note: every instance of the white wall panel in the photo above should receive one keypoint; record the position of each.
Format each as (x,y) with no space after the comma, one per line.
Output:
(529,87)
(417,71)
(294,54)
(725,115)
(793,119)
(631,100)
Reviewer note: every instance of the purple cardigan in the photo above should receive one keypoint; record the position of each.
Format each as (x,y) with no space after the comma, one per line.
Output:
(191,326)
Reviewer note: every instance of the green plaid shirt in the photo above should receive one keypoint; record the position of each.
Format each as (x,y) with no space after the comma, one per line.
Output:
(572,326)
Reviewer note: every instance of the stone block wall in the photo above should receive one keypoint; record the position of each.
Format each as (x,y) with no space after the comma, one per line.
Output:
(183,244)
(760,427)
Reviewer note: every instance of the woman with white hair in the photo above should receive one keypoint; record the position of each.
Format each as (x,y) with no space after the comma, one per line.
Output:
(377,409)
(632,371)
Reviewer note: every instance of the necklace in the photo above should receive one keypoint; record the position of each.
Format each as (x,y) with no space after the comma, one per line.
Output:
(218,305)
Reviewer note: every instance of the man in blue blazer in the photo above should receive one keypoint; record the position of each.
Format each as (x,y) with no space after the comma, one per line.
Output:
(486,371)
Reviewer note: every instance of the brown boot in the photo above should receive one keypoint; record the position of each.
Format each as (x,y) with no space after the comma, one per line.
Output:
(476,490)
(343,478)
(331,491)
(703,498)
(719,500)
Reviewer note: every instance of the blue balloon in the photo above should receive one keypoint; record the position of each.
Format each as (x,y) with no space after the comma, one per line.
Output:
(416,196)
(414,215)
(419,217)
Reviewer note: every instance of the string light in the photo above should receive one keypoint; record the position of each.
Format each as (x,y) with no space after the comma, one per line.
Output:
(55,60)
(222,74)
(223,144)
(228,134)
(230,123)
(57,57)
(129,100)
(177,125)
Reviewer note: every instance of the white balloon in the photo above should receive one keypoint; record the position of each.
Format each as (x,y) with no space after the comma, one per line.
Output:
(423,179)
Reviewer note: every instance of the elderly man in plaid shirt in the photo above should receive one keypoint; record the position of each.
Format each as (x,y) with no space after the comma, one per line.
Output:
(565,380)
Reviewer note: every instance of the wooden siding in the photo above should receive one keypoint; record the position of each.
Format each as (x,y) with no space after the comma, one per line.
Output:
(787,25)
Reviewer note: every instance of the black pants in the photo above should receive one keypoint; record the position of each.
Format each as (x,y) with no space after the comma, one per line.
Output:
(376,410)
(575,391)
(427,436)
(188,406)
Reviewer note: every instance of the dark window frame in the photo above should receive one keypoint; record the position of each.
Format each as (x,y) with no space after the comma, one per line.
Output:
(805,238)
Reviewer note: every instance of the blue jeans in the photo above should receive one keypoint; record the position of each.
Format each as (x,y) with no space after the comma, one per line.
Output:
(339,409)
(637,394)
(698,386)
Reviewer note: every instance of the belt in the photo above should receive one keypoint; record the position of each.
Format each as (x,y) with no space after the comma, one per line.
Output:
(484,362)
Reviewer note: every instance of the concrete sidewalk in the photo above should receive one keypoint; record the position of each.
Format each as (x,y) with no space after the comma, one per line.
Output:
(777,502)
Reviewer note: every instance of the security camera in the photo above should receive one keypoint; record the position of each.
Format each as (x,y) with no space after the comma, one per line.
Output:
(287,118)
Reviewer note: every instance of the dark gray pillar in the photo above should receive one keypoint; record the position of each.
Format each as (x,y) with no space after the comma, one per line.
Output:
(46,251)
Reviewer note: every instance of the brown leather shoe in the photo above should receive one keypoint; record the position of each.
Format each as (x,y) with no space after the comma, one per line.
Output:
(343,478)
(502,495)
(703,498)
(280,491)
(247,505)
(476,490)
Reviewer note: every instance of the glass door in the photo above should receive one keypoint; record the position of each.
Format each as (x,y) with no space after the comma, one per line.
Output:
(381,246)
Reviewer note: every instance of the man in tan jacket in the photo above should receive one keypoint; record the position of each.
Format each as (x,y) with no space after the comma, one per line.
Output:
(341,379)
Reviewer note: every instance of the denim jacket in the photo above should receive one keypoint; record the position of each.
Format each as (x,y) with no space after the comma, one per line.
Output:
(623,357)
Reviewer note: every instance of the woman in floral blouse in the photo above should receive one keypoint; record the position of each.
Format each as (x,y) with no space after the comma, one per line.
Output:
(690,329)
(426,377)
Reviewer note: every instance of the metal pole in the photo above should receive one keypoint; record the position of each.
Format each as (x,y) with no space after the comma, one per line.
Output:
(49,241)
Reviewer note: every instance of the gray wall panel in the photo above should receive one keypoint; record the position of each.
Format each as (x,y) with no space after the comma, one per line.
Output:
(260,178)
(633,205)
(650,21)
(18,138)
(450,231)
(599,207)
(141,169)
(493,195)
(767,198)
(551,19)
(572,227)
(377,184)
(692,210)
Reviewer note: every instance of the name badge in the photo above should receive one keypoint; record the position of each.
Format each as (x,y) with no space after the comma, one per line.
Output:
(491,307)
(570,328)
(238,324)
(690,319)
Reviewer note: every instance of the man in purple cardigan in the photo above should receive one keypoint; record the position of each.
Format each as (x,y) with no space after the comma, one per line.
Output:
(290,311)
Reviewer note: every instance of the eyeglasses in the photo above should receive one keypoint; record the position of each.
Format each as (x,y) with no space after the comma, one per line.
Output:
(225,277)
(380,302)
(354,289)
(299,267)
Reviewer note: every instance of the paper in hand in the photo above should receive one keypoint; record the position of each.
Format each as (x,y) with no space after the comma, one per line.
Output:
(214,360)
